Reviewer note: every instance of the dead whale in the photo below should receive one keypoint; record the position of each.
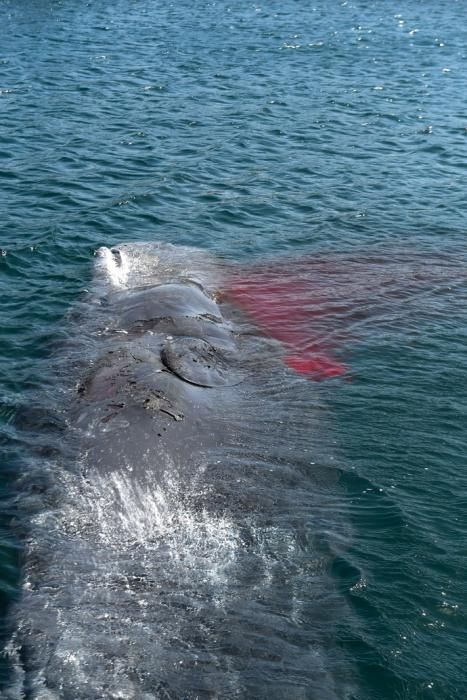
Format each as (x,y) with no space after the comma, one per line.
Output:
(166,362)
(185,549)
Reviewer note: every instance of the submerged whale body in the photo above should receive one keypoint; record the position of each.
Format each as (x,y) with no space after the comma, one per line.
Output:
(184,551)
(165,364)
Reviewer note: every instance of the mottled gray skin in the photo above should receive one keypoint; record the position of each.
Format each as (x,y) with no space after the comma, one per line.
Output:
(184,564)
(159,375)
(163,370)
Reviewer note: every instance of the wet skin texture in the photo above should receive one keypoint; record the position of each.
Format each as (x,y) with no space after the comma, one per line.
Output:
(163,368)
(179,558)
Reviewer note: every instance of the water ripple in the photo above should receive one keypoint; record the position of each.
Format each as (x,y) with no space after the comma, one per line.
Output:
(334,134)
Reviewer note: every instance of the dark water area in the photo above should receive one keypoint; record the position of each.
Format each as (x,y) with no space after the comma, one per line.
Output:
(321,146)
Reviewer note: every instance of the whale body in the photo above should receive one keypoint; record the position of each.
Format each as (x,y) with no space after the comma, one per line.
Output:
(184,547)
(166,362)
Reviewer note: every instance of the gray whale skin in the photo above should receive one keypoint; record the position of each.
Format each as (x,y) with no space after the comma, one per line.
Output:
(180,553)
(166,363)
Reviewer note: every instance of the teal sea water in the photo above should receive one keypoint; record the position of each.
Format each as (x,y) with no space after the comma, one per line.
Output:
(335,131)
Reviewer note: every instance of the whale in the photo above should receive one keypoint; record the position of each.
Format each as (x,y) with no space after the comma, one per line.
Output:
(166,363)
(182,545)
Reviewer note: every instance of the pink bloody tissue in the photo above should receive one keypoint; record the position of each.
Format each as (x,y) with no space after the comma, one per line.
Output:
(315,367)
(286,308)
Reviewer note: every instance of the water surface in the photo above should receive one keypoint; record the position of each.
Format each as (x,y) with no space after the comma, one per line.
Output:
(335,132)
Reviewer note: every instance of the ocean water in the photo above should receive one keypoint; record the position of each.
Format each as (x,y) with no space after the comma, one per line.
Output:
(321,142)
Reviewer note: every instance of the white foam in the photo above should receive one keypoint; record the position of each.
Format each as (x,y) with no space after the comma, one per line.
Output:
(132,265)
(116,271)
(123,514)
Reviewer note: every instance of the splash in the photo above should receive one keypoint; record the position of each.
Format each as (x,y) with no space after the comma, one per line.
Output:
(114,264)
(157,519)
